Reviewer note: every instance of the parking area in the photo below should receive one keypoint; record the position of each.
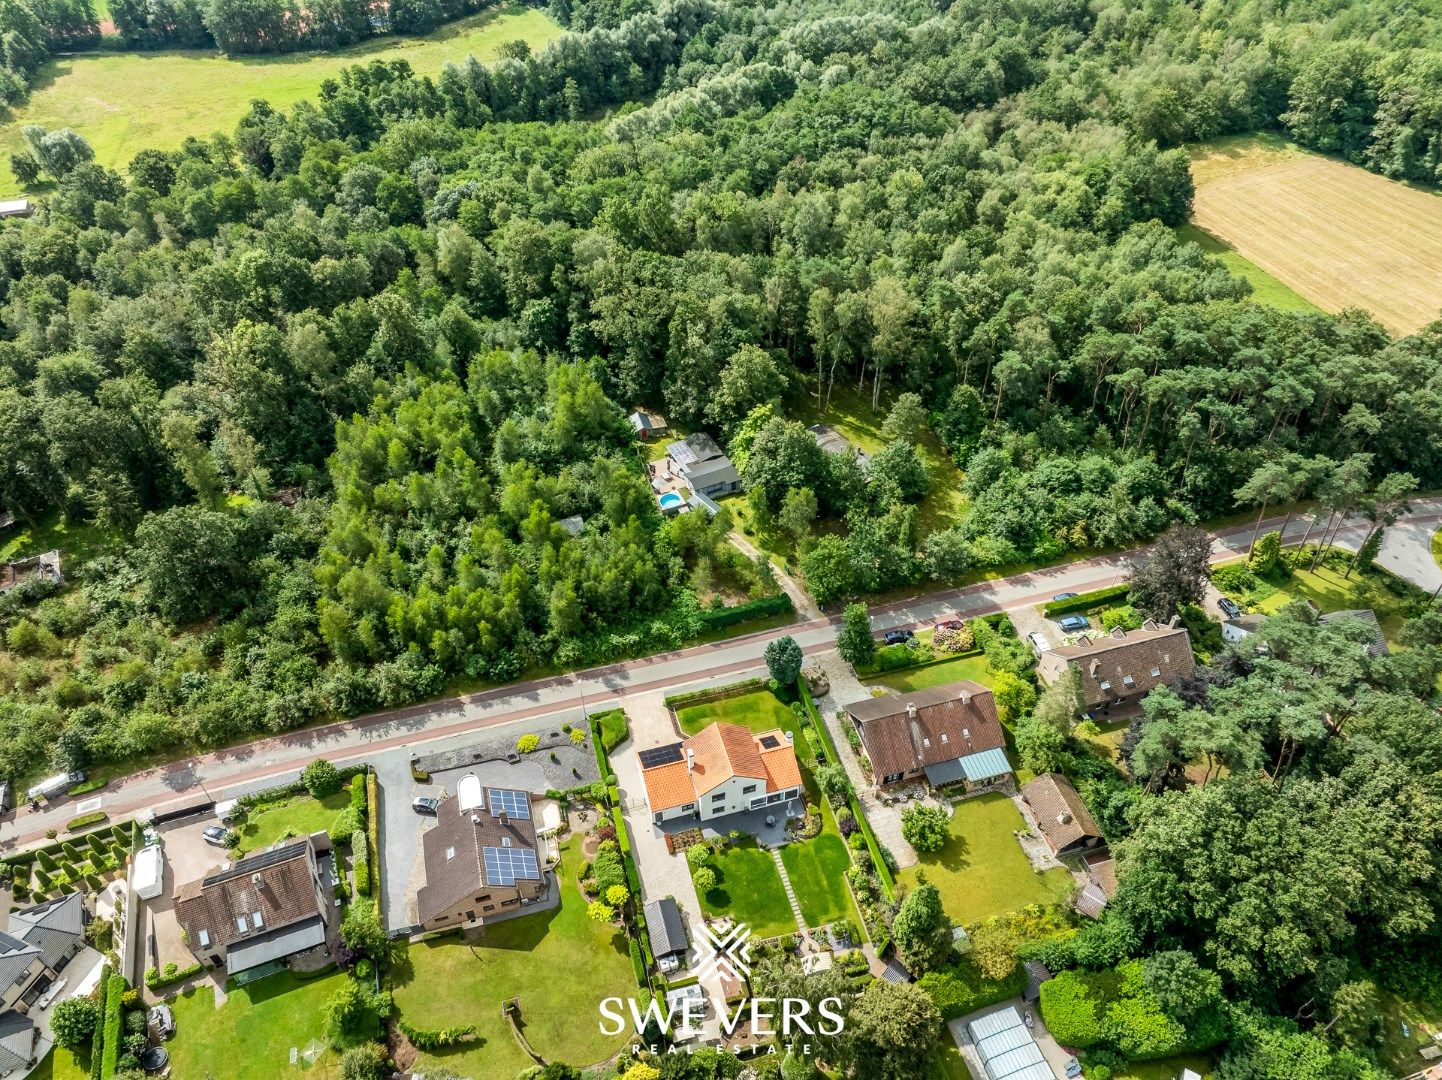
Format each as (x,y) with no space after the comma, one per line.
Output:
(187,857)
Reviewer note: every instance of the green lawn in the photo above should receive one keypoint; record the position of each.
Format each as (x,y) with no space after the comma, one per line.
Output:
(80,542)
(1265,288)
(126,102)
(945,1061)
(299,815)
(559,963)
(982,870)
(749,889)
(759,711)
(61,1064)
(817,869)
(251,1035)
(1331,591)
(1167,1068)
(1399,1051)
(922,678)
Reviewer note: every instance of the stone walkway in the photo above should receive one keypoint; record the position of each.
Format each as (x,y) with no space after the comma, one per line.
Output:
(790,892)
(805,606)
(846,689)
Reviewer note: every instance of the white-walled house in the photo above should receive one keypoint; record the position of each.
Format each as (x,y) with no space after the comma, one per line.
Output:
(723,769)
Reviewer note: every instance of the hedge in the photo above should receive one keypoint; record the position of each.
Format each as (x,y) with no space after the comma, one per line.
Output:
(115,989)
(428,1040)
(715,619)
(156,980)
(361,862)
(86,787)
(961,988)
(358,793)
(97,1038)
(373,828)
(597,741)
(696,697)
(84,821)
(613,728)
(639,966)
(296,787)
(1083,601)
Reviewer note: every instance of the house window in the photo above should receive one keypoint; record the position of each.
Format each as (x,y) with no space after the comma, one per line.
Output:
(688,808)
(943,739)
(926,744)
(1156,673)
(891,778)
(240,925)
(656,816)
(748,789)
(774,798)
(720,795)
(1127,680)
(256,921)
(1106,685)
(450,854)
(205,939)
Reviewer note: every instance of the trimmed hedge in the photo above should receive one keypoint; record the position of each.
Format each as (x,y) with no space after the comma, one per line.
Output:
(84,821)
(296,787)
(613,728)
(961,988)
(373,828)
(86,787)
(109,1055)
(428,1040)
(361,862)
(97,1038)
(1083,601)
(639,966)
(156,980)
(716,619)
(716,693)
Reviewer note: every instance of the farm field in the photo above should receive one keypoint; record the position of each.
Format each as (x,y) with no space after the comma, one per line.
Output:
(1336,234)
(127,102)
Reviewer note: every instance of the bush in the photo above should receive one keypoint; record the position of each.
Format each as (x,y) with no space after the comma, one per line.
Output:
(1070,1011)
(704,879)
(961,988)
(361,862)
(1085,601)
(365,1062)
(358,793)
(347,823)
(1126,617)
(84,821)
(321,778)
(925,827)
(170,975)
(954,641)
(425,1039)
(528,742)
(72,1022)
(606,867)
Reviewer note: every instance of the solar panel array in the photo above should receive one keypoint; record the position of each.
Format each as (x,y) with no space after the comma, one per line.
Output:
(660,755)
(505,865)
(770,742)
(513,803)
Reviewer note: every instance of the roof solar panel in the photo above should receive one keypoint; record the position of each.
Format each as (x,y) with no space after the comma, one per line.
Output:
(505,865)
(770,742)
(660,755)
(514,803)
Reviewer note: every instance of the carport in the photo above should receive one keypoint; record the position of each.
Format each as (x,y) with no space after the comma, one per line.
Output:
(1007,1049)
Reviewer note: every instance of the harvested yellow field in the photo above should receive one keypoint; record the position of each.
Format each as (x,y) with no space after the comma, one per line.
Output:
(1336,234)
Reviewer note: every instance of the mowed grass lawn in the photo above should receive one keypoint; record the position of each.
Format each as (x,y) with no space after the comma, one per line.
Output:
(1330,590)
(61,1064)
(922,678)
(299,815)
(760,711)
(982,871)
(250,1037)
(749,889)
(127,102)
(559,963)
(1265,288)
(1335,233)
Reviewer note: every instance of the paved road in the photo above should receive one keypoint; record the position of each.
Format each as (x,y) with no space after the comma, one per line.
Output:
(392,735)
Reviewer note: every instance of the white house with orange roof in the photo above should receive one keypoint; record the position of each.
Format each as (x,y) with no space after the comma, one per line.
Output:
(723,769)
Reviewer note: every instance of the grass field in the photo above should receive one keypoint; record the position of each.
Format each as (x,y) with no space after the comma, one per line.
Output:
(1331,591)
(749,889)
(251,1035)
(1167,1068)
(61,1064)
(445,982)
(759,711)
(922,678)
(299,815)
(1338,235)
(1265,288)
(127,102)
(982,871)
(1400,1052)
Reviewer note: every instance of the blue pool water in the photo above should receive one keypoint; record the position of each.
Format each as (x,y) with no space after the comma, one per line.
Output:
(671,501)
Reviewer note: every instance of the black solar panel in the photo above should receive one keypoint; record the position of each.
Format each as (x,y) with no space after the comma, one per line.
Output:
(505,865)
(770,742)
(660,755)
(260,861)
(514,803)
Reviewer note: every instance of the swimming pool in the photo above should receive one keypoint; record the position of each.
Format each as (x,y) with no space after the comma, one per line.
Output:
(671,501)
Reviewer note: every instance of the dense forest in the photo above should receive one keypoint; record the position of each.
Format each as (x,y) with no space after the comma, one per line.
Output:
(321,392)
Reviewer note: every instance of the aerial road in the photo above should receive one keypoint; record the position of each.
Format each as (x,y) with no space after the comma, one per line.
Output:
(223,773)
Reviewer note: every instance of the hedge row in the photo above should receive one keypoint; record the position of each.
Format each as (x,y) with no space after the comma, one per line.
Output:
(697,697)
(1083,601)
(172,974)
(361,862)
(715,619)
(373,833)
(613,728)
(296,787)
(961,988)
(429,1040)
(97,1037)
(889,660)
(115,989)
(84,821)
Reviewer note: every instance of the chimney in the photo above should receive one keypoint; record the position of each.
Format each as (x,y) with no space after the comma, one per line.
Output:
(690,759)
(911,710)
(1064,818)
(1173,621)
(475,819)
(257,881)
(501,818)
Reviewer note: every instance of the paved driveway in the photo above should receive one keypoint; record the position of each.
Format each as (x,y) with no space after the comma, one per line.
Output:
(187,857)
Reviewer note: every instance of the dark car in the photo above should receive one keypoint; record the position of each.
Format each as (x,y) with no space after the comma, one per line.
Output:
(1072,623)
(898,637)
(425,804)
(950,624)
(218,835)
(1229,607)
(1064,596)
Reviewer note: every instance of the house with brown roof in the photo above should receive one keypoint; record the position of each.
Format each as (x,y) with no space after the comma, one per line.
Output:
(1118,669)
(723,769)
(483,859)
(948,733)
(260,909)
(1062,817)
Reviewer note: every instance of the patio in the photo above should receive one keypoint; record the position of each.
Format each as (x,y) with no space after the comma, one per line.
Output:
(754,823)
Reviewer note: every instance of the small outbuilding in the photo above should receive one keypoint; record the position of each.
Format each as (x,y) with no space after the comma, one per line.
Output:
(667,928)
(648,425)
(1062,817)
(16,208)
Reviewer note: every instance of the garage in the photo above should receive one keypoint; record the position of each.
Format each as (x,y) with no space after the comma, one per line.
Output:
(1006,1047)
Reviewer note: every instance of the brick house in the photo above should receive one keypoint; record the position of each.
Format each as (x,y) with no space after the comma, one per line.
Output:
(1118,669)
(949,734)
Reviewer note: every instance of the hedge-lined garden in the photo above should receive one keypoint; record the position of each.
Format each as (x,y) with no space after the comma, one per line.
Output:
(84,864)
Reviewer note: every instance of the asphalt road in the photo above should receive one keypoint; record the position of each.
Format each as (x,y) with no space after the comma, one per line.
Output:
(390,737)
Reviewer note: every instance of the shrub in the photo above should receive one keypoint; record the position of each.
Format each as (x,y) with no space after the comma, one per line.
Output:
(425,1039)
(1085,601)
(1070,1011)
(1126,617)
(321,778)
(960,988)
(84,821)
(954,641)
(345,826)
(704,879)
(925,827)
(365,1062)
(697,856)
(528,742)
(358,793)
(72,1022)
(360,862)
(600,911)
(606,867)
(170,974)
(577,737)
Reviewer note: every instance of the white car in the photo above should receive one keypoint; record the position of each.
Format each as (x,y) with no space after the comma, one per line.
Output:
(1038,642)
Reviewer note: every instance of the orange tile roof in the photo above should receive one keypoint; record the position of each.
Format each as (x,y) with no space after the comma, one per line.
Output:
(723,751)
(782,769)
(668,786)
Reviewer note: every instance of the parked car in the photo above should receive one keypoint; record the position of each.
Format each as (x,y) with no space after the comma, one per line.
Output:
(425,804)
(216,834)
(899,637)
(1038,642)
(950,624)
(1229,607)
(162,1021)
(1072,623)
(1064,596)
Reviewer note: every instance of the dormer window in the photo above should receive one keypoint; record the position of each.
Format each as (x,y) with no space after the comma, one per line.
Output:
(256,921)
(1127,680)
(1156,673)
(1106,685)
(450,854)
(241,926)
(926,744)
(943,738)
